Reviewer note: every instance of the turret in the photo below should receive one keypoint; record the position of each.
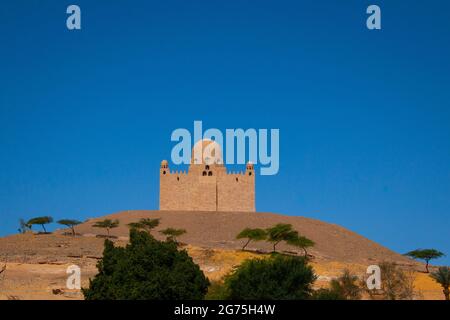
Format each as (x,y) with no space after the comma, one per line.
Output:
(164,169)
(250,169)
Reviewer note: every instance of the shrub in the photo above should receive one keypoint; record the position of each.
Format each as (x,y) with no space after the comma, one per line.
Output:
(146,269)
(326,294)
(396,284)
(276,278)
(346,286)
(442,276)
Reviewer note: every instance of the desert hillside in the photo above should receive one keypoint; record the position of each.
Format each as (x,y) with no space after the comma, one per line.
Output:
(219,230)
(36,263)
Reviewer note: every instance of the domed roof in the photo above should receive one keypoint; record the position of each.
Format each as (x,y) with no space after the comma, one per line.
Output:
(207,151)
(164,162)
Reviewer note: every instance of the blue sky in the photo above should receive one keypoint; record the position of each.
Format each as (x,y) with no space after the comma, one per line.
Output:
(364,116)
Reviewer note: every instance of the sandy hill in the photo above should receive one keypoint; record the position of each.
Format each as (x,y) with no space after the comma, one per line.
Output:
(37,263)
(219,230)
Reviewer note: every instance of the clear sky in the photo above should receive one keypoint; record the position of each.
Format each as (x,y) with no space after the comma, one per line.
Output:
(364,116)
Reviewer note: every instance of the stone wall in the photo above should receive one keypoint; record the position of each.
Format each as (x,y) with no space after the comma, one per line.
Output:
(207,188)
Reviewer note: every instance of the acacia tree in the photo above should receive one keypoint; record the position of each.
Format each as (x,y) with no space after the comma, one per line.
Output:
(146,224)
(280,232)
(107,224)
(252,234)
(70,223)
(172,233)
(300,242)
(442,276)
(425,254)
(41,221)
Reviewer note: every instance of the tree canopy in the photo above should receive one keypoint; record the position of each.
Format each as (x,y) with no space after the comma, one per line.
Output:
(172,233)
(146,269)
(146,224)
(425,254)
(107,224)
(252,235)
(442,276)
(300,242)
(280,232)
(69,223)
(41,221)
(276,278)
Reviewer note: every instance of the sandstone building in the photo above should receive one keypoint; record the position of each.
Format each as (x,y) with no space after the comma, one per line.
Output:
(207,186)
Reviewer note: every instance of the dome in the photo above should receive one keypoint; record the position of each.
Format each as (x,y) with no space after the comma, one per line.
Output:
(164,164)
(206,152)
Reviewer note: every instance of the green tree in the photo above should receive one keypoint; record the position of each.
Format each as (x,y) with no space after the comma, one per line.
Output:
(301,242)
(442,276)
(172,233)
(280,232)
(146,269)
(107,224)
(41,221)
(252,234)
(276,278)
(425,254)
(146,224)
(70,223)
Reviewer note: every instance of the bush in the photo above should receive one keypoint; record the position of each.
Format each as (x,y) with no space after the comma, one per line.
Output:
(276,278)
(396,284)
(217,291)
(326,294)
(146,269)
(346,286)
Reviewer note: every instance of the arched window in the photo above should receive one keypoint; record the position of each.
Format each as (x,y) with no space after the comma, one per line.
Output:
(249,173)
(207,167)
(210,173)
(178,178)
(237,179)
(204,173)
(164,172)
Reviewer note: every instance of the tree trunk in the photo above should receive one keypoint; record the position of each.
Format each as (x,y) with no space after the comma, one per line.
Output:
(245,245)
(73,230)
(306,252)
(447,294)
(107,230)
(43,227)
(275,245)
(426,266)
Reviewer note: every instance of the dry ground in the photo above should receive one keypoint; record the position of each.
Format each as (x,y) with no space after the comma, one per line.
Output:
(36,264)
